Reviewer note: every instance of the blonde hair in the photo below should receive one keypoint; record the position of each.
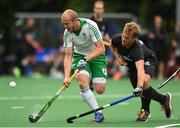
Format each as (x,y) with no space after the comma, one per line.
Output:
(132,28)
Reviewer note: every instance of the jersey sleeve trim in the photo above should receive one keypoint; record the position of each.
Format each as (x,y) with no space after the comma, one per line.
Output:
(95,31)
(65,38)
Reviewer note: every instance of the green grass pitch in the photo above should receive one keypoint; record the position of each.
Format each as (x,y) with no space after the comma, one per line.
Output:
(30,94)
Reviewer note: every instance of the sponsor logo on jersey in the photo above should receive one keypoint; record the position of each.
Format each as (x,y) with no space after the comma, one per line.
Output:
(147,63)
(84,35)
(127,58)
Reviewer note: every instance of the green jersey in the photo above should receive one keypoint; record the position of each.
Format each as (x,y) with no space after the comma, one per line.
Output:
(83,41)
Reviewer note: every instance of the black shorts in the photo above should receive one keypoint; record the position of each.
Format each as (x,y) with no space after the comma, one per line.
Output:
(149,69)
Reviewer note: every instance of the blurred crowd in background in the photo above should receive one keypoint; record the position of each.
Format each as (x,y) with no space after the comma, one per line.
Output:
(32,54)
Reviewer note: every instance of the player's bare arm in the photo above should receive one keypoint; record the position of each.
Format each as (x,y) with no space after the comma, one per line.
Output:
(98,51)
(67,65)
(35,44)
(115,52)
(106,37)
(140,73)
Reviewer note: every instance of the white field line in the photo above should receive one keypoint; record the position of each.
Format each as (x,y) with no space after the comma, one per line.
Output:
(5,98)
(73,127)
(167,126)
(17,107)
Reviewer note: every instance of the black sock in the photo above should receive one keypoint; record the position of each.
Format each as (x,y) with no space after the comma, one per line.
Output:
(145,103)
(153,94)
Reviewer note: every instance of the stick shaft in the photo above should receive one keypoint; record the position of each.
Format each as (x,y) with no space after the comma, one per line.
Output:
(63,87)
(172,76)
(121,100)
(100,108)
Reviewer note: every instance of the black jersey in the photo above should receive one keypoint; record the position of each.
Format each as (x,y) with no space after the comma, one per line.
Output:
(102,25)
(138,51)
(27,47)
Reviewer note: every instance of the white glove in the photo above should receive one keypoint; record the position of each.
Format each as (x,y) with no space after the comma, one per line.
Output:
(81,64)
(138,92)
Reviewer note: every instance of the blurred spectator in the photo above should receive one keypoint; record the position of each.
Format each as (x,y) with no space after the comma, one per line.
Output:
(177,38)
(18,41)
(31,58)
(174,57)
(98,18)
(1,52)
(57,67)
(56,60)
(104,27)
(158,43)
(29,47)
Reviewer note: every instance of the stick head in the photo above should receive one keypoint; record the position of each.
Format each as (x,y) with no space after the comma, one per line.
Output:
(33,119)
(69,120)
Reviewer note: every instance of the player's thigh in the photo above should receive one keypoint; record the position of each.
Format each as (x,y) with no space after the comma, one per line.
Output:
(76,59)
(133,77)
(149,72)
(83,75)
(98,68)
(99,73)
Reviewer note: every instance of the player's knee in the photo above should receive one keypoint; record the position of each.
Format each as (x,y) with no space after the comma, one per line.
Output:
(100,91)
(146,81)
(83,77)
(99,85)
(99,88)
(82,82)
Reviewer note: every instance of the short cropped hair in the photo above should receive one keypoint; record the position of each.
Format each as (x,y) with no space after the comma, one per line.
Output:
(99,1)
(72,14)
(132,28)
